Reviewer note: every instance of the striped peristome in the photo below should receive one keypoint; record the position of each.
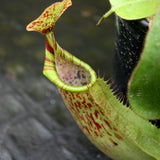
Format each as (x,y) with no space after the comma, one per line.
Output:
(82,76)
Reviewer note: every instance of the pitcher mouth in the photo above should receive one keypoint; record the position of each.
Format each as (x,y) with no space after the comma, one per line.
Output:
(65,70)
(61,68)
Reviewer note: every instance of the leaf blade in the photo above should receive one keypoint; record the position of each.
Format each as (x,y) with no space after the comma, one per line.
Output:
(144,88)
(132,9)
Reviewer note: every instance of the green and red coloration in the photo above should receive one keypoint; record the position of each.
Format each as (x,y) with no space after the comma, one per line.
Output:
(45,23)
(113,128)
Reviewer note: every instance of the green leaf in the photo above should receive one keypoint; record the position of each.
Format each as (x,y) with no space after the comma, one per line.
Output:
(144,86)
(132,9)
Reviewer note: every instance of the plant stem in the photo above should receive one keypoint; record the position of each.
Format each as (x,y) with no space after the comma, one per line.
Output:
(104,16)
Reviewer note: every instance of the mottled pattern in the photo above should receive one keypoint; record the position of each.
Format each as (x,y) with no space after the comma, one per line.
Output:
(45,23)
(101,125)
(72,74)
(91,118)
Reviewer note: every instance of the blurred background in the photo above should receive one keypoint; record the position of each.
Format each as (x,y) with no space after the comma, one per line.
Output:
(34,122)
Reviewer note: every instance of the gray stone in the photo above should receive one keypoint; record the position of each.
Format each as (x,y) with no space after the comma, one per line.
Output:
(10,107)
(4,154)
(40,89)
(29,135)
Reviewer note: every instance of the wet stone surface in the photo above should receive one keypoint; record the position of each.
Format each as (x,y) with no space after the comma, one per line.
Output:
(34,122)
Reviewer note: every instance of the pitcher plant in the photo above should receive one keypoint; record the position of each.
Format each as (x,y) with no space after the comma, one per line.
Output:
(122,133)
